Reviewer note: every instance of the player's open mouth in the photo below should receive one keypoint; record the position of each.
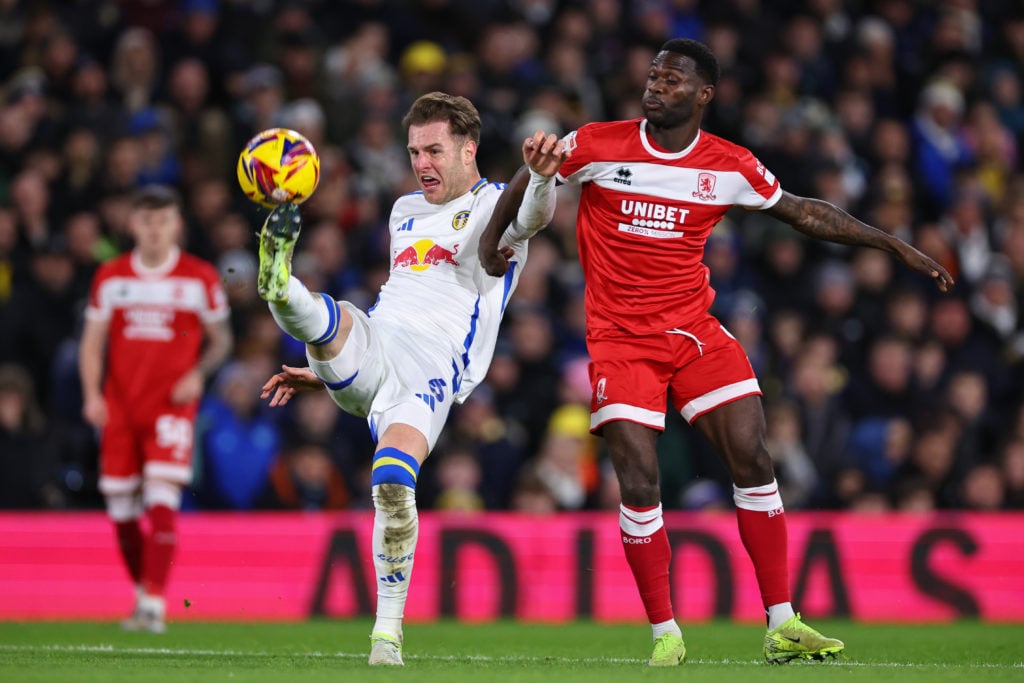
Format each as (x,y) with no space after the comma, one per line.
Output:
(429,183)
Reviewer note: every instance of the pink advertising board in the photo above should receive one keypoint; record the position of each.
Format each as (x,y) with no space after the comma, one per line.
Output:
(285,566)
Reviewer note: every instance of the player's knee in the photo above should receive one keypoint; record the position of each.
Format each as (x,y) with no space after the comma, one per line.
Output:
(123,507)
(159,492)
(751,468)
(325,354)
(393,466)
(639,490)
(394,479)
(639,482)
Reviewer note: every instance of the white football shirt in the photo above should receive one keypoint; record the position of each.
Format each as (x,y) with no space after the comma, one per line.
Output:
(437,289)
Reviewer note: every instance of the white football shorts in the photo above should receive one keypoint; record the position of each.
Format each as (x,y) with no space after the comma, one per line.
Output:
(391,375)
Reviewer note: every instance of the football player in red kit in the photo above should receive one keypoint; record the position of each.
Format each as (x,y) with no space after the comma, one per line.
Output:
(652,189)
(155,328)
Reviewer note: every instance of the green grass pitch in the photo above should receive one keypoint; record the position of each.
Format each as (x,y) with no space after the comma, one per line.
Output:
(314,651)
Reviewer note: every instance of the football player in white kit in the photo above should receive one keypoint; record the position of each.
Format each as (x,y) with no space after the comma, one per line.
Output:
(430,336)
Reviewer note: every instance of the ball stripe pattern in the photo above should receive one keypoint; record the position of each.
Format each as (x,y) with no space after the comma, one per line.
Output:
(278,165)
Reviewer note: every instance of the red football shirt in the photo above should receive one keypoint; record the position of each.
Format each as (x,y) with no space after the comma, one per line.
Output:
(156,318)
(644,216)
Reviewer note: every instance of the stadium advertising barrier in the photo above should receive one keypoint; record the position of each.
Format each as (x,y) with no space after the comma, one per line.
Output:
(285,566)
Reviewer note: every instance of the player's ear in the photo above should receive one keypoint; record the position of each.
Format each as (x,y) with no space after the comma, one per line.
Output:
(706,94)
(469,151)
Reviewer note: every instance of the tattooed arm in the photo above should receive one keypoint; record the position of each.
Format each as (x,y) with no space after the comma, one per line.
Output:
(821,220)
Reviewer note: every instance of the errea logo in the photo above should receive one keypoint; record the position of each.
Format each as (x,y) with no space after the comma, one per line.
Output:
(622,176)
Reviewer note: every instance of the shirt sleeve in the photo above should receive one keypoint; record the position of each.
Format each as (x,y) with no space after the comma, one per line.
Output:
(574,169)
(764,188)
(99,307)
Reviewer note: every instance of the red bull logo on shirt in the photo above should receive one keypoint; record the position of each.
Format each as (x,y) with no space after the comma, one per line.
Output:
(423,254)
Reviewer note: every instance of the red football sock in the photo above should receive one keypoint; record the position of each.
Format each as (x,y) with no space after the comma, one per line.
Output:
(763,532)
(648,554)
(129,540)
(158,554)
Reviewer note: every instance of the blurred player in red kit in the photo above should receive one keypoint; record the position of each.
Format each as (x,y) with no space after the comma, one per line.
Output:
(143,364)
(652,190)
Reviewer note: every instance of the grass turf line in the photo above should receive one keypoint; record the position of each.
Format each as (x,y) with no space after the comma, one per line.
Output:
(324,650)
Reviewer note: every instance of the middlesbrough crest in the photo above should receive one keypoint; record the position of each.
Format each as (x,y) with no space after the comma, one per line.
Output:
(706,186)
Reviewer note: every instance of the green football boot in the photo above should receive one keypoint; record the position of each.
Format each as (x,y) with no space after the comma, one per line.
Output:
(669,650)
(796,640)
(277,241)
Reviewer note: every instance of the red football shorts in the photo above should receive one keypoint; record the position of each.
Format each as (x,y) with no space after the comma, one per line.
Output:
(158,447)
(633,375)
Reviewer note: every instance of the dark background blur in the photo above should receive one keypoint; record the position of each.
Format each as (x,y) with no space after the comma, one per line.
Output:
(880,393)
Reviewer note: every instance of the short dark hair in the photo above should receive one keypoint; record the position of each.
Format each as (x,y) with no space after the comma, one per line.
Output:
(462,117)
(707,63)
(156,197)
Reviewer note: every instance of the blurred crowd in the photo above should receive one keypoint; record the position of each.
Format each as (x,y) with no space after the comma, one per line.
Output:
(881,393)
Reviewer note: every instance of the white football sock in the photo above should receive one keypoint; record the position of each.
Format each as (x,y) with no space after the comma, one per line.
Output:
(664,627)
(779,614)
(396,515)
(305,315)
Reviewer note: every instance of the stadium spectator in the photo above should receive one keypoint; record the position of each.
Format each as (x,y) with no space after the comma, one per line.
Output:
(200,130)
(906,313)
(983,488)
(496,442)
(78,182)
(878,447)
(315,419)
(1011,459)
(650,334)
(135,68)
(535,394)
(458,481)
(237,442)
(29,454)
(798,475)
(932,461)
(531,495)
(833,308)
(940,150)
(158,161)
(143,365)
(396,367)
(305,478)
(885,388)
(566,462)
(54,288)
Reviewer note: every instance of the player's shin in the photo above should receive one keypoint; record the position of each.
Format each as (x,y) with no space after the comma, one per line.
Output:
(124,511)
(648,554)
(762,524)
(310,317)
(162,500)
(395,531)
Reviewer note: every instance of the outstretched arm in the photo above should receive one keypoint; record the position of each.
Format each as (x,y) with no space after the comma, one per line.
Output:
(821,220)
(543,155)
